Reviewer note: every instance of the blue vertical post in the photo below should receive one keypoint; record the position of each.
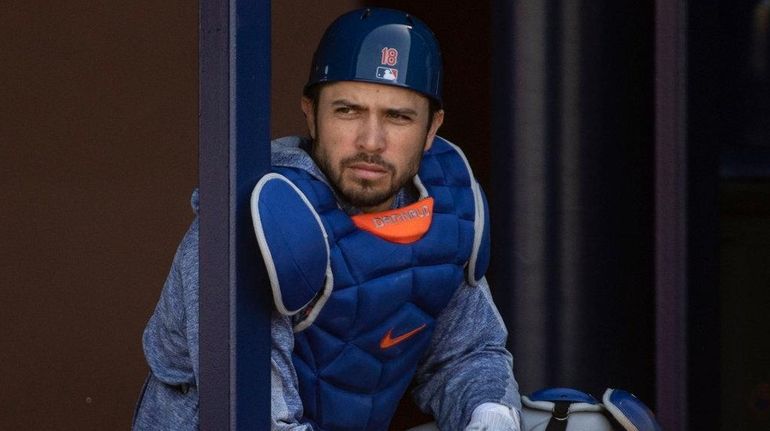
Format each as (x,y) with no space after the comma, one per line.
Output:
(234,58)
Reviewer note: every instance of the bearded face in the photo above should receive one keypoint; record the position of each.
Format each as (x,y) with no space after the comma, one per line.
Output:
(369,139)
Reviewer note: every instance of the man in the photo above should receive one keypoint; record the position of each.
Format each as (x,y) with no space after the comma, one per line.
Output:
(375,238)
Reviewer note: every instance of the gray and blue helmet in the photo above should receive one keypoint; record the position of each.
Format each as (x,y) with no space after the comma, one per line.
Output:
(382,46)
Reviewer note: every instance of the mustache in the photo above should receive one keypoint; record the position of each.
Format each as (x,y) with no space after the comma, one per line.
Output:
(375,159)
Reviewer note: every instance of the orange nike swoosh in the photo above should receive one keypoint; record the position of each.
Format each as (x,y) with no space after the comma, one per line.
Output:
(388,342)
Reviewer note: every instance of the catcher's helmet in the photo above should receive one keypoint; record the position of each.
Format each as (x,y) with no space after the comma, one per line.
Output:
(382,46)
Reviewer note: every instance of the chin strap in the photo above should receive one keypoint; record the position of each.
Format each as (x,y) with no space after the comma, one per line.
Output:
(558,420)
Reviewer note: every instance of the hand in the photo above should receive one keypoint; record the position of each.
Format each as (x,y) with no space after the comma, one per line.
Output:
(501,423)
(493,417)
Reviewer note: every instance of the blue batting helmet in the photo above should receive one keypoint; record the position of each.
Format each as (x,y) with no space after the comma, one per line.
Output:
(382,46)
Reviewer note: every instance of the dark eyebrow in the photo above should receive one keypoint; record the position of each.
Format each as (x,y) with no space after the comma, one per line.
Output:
(402,111)
(391,111)
(345,102)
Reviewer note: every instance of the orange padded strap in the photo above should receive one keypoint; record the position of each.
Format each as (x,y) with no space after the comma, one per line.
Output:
(402,225)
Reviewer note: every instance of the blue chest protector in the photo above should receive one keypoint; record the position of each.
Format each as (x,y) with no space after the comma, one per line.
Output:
(365,307)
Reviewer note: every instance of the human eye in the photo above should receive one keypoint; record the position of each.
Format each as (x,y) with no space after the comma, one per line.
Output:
(343,110)
(400,117)
(346,111)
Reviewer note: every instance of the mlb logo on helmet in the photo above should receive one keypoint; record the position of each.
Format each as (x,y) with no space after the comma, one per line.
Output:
(387,73)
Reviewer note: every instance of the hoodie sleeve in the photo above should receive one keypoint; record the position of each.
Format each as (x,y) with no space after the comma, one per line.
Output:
(467,363)
(286,406)
(170,339)
(169,399)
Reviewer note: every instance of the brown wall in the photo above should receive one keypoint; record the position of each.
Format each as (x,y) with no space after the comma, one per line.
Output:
(98,155)
(99,111)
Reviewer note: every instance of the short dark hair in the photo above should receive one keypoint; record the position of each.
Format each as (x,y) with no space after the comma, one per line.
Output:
(313,92)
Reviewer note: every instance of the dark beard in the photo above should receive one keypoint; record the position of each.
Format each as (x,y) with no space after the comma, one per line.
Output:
(362,193)
(364,196)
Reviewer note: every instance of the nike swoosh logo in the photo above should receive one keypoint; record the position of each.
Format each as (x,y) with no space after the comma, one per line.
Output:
(388,341)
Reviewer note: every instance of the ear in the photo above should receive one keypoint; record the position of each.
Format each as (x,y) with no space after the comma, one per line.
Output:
(307,109)
(437,121)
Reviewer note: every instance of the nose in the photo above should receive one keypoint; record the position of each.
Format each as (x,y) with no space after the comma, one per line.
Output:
(371,138)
